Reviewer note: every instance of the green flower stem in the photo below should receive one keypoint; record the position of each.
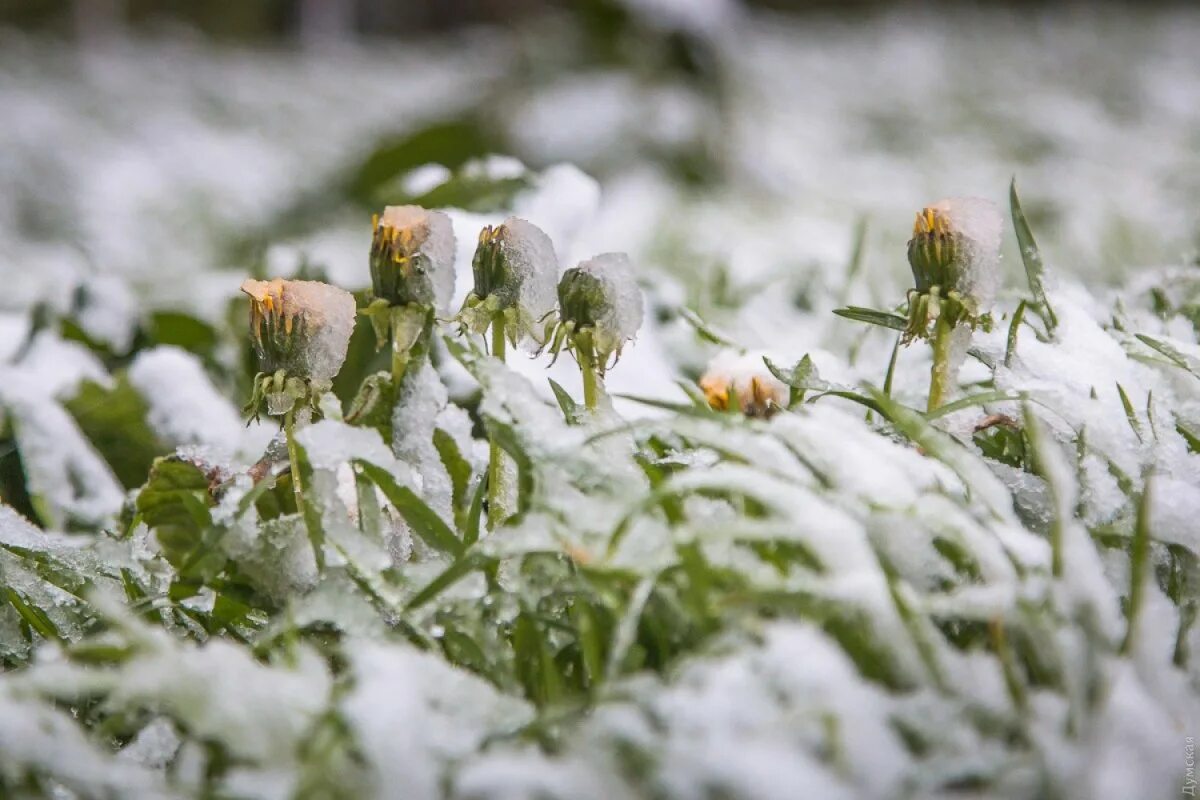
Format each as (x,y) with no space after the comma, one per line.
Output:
(289,431)
(497,491)
(939,374)
(587,368)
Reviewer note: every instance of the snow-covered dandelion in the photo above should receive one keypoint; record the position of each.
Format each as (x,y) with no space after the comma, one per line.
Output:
(954,254)
(301,331)
(599,311)
(412,277)
(515,270)
(412,257)
(743,379)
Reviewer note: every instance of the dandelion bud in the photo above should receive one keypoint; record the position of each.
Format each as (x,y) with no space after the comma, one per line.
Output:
(743,376)
(301,331)
(412,257)
(601,297)
(954,254)
(515,270)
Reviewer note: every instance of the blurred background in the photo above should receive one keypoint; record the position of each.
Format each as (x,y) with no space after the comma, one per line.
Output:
(761,161)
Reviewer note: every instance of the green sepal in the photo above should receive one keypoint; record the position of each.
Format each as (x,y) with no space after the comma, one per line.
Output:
(379,313)
(372,406)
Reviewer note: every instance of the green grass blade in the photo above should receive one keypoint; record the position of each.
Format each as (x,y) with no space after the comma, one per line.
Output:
(884,319)
(1130,414)
(1139,555)
(1010,348)
(1031,256)
(423,520)
(996,396)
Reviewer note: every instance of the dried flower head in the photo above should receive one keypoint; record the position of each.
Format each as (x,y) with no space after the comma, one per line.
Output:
(412,257)
(515,271)
(301,331)
(954,254)
(743,376)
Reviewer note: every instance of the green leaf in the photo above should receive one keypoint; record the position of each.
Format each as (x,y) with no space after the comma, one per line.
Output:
(1045,455)
(1139,570)
(419,516)
(510,443)
(801,378)
(687,409)
(884,319)
(114,421)
(473,193)
(1130,414)
(175,504)
(1011,347)
(565,402)
(460,569)
(457,467)
(182,330)
(370,515)
(364,360)
(535,664)
(1176,356)
(1031,257)
(1189,435)
(982,398)
(862,400)
(450,142)
(475,514)
(33,616)
(702,328)
(975,474)
(372,407)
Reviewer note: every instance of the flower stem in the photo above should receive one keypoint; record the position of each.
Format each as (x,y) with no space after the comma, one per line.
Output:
(587,367)
(289,432)
(939,374)
(496,488)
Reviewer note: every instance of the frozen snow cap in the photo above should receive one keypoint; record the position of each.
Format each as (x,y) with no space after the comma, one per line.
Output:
(412,256)
(301,327)
(515,271)
(956,246)
(758,392)
(601,294)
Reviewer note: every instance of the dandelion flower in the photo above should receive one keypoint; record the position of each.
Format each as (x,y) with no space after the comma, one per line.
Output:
(412,257)
(743,376)
(301,331)
(515,272)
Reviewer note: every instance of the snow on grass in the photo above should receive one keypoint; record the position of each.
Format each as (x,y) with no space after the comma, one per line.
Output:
(850,598)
